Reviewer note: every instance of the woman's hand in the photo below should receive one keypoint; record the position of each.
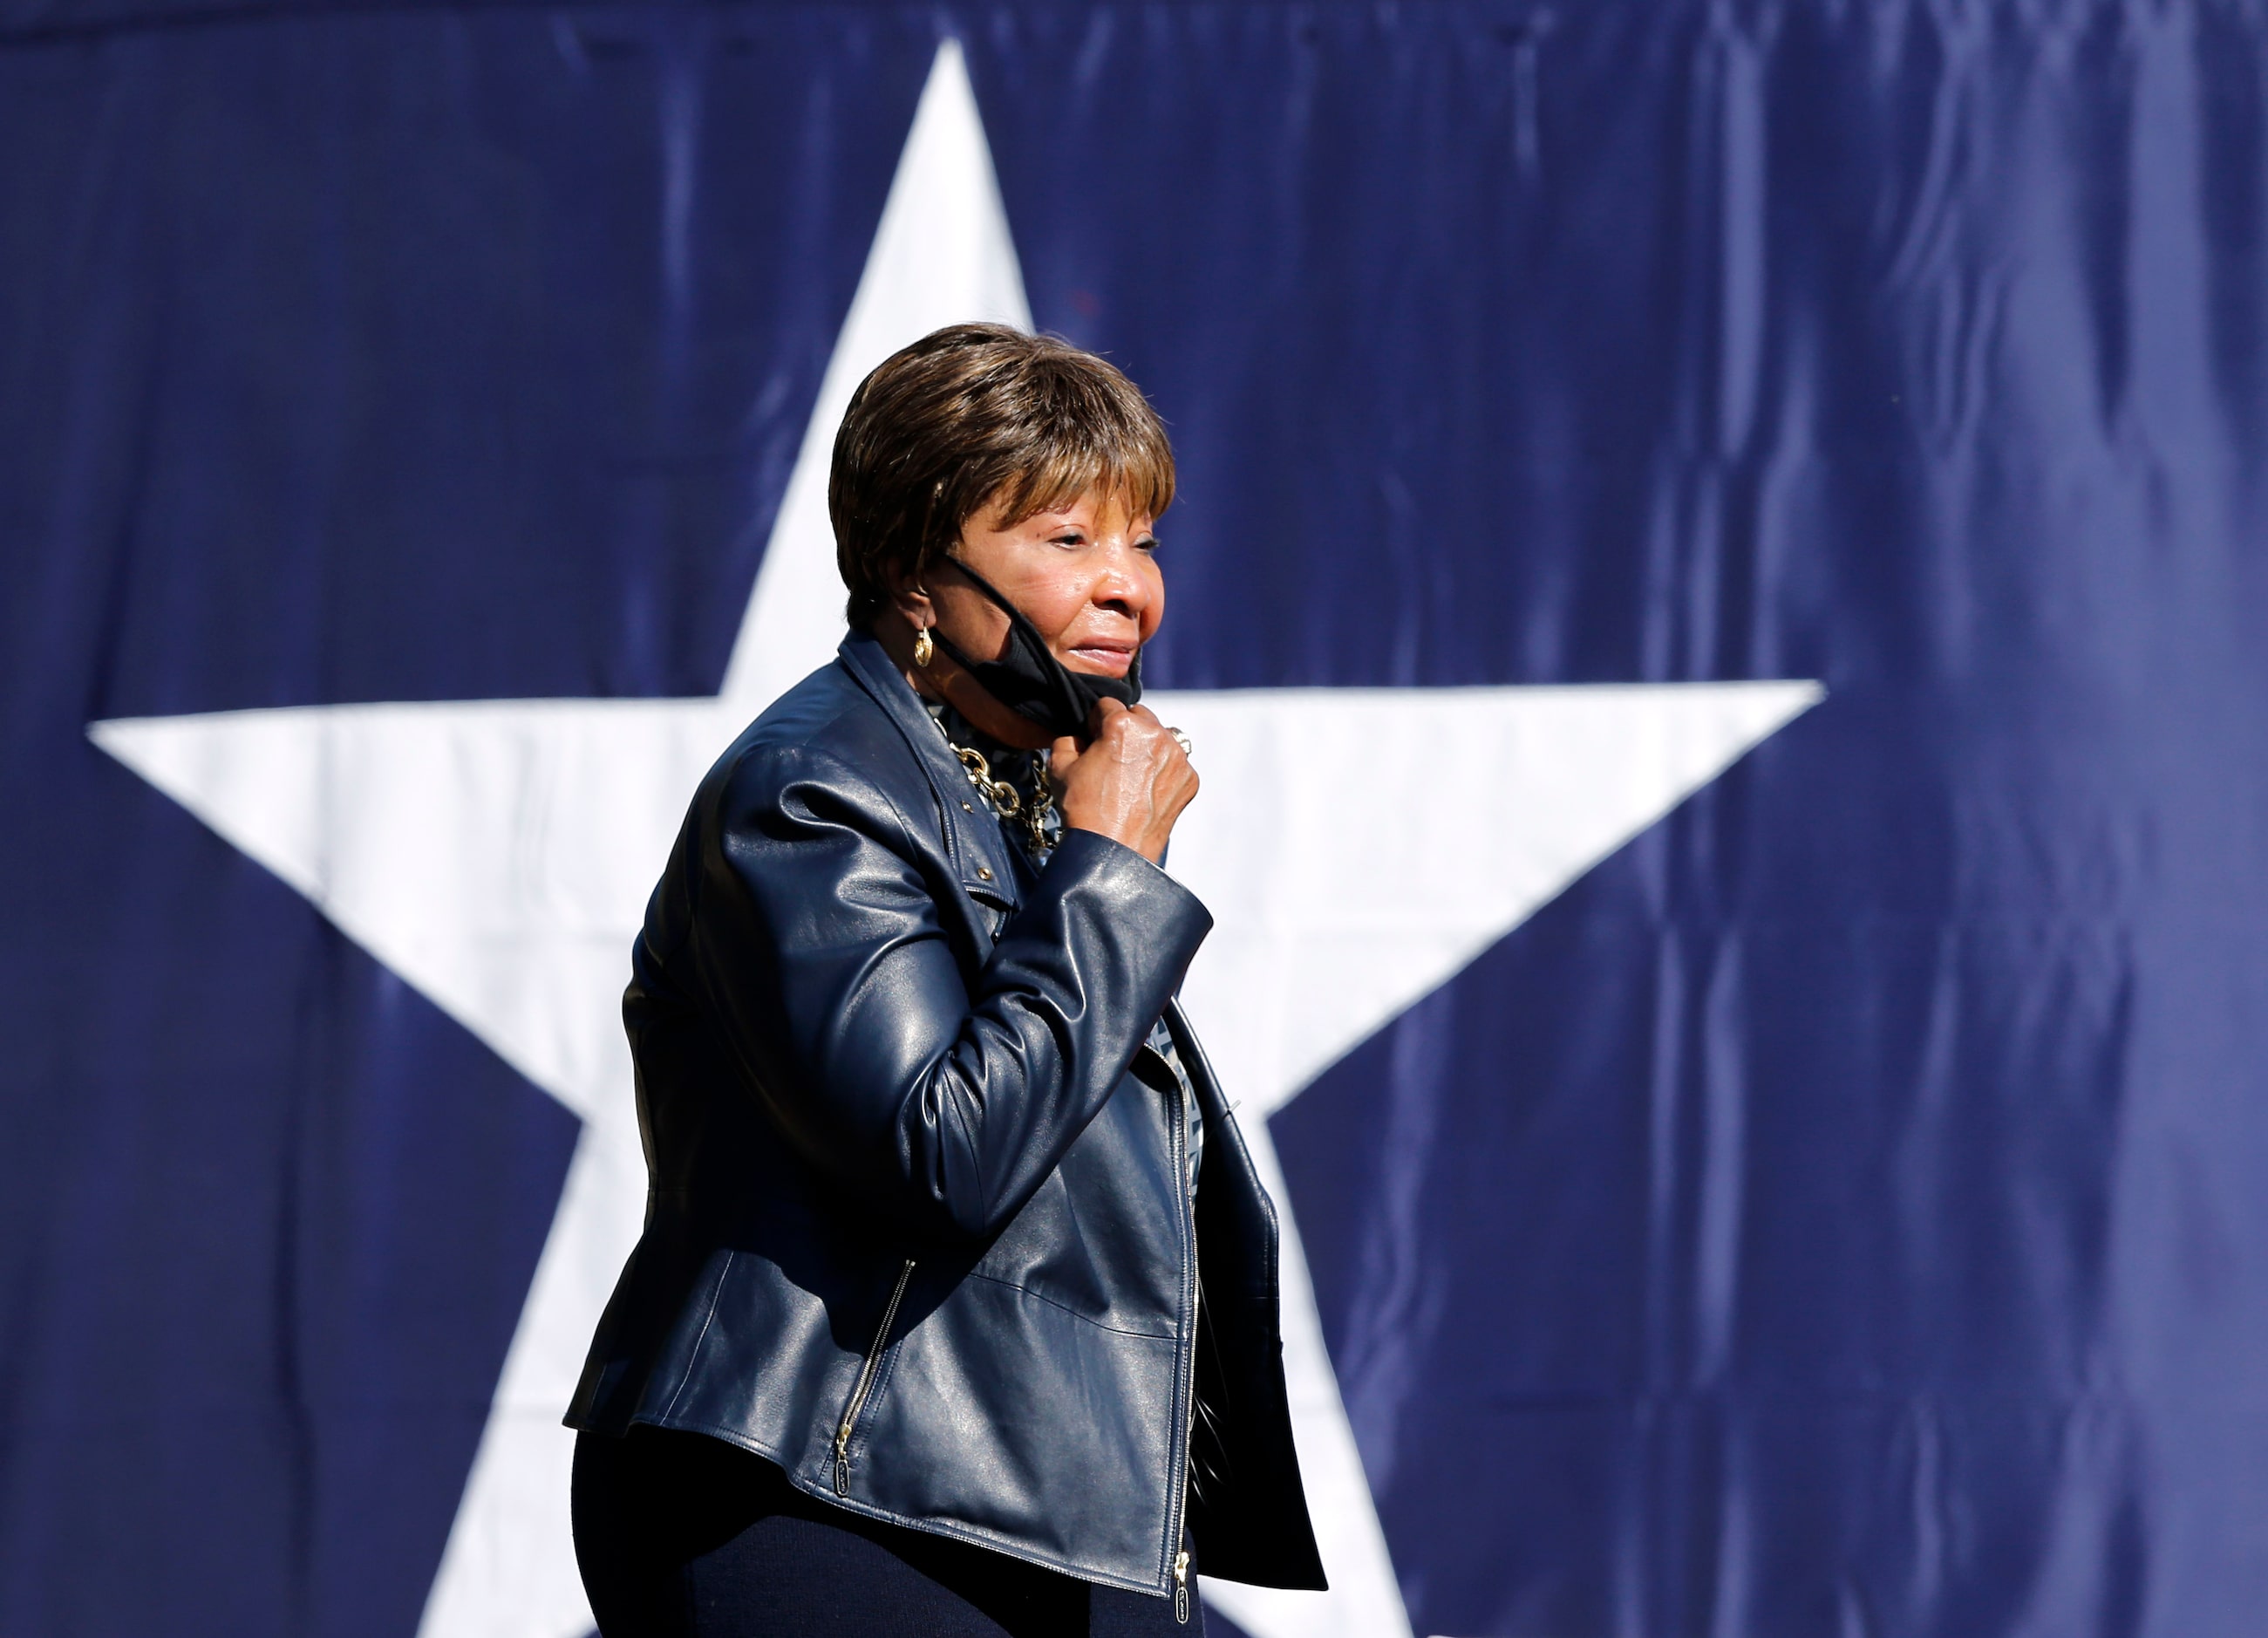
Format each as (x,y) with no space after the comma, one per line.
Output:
(1130,783)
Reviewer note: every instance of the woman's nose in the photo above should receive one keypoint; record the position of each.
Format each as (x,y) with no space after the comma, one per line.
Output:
(1122,589)
(1126,597)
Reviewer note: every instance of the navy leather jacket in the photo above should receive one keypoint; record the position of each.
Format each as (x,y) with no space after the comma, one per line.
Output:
(918,1227)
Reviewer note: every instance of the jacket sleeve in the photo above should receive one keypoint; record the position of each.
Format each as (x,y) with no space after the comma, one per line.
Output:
(819,951)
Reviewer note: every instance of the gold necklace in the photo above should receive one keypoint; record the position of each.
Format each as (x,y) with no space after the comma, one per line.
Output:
(1009,803)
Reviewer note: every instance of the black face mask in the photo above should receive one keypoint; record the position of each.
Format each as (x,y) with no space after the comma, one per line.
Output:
(1030,681)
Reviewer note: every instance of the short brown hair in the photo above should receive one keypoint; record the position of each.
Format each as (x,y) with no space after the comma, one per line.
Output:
(974,415)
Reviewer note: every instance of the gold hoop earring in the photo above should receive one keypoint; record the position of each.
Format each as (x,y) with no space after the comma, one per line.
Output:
(923,647)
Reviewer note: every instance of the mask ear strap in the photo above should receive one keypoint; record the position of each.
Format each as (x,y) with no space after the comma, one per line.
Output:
(991,591)
(952,650)
(1016,616)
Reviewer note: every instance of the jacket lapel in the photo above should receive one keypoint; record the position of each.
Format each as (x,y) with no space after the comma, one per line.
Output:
(974,841)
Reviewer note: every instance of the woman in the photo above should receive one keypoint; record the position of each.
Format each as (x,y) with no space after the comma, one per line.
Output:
(955,1309)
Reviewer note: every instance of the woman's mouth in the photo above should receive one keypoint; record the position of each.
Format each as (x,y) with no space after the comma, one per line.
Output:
(1106,659)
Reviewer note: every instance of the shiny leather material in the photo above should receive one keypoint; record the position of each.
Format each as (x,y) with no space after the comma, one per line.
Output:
(868,1035)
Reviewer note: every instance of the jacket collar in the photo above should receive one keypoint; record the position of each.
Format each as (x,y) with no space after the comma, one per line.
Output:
(974,837)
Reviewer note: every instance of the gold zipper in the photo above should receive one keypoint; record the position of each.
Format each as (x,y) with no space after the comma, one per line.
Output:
(866,1381)
(1173,1517)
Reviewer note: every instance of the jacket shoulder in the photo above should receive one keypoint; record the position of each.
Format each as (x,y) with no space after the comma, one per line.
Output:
(826,732)
(825,725)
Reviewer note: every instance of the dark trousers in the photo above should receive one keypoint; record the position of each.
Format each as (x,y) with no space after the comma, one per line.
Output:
(682,1536)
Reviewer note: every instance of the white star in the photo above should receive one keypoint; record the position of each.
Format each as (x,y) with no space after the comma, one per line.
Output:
(497,855)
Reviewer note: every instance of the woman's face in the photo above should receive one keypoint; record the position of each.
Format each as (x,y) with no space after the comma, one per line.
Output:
(1084,575)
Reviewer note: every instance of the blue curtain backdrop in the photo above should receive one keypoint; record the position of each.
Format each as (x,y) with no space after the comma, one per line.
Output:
(1843,1212)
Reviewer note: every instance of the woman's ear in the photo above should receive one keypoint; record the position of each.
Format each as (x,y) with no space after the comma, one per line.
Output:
(908,597)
